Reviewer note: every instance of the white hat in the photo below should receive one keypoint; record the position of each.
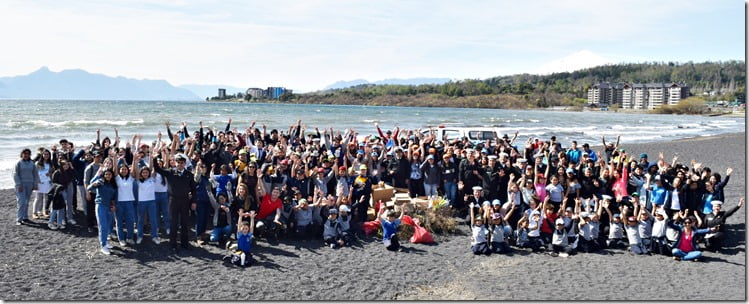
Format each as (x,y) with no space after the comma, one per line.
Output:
(716,203)
(344,208)
(661,212)
(606,197)
(535,212)
(559,221)
(490,157)
(477,188)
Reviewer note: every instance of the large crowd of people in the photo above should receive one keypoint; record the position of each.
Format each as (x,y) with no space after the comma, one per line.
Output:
(233,185)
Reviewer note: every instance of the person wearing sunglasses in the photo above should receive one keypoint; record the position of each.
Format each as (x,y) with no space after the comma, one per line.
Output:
(686,248)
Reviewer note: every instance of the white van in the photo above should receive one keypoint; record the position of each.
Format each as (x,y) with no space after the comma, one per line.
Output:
(474,134)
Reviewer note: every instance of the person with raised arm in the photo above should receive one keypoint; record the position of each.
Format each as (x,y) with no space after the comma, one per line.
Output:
(181,197)
(717,218)
(686,248)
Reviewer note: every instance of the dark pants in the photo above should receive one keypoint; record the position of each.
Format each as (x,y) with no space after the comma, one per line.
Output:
(90,212)
(415,187)
(201,218)
(480,248)
(360,207)
(502,247)
(659,245)
(714,243)
(587,245)
(565,249)
(392,244)
(180,216)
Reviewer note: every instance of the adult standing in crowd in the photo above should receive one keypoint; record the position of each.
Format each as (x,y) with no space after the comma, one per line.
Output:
(26,179)
(181,196)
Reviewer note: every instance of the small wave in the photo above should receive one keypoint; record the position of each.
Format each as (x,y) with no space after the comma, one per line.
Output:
(44,123)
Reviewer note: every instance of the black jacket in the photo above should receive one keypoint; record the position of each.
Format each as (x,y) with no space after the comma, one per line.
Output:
(180,186)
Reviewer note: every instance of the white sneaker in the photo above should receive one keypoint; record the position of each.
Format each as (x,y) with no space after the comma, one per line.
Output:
(52,226)
(123,244)
(109,246)
(156,240)
(62,226)
(72,222)
(564,254)
(129,241)
(105,250)
(140,239)
(167,231)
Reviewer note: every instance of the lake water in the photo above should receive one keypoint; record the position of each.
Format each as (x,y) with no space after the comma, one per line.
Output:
(32,123)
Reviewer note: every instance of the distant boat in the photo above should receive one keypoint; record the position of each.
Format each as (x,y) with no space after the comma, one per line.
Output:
(604,109)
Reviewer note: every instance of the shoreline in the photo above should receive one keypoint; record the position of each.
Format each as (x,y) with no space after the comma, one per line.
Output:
(68,266)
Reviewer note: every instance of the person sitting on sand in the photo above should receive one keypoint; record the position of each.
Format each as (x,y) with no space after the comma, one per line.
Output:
(659,243)
(269,212)
(241,254)
(686,247)
(560,242)
(616,229)
(390,229)
(534,232)
(633,235)
(331,232)
(344,221)
(221,217)
(497,236)
(479,234)
(717,218)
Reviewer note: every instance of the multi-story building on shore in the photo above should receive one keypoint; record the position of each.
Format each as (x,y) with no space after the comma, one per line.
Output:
(637,95)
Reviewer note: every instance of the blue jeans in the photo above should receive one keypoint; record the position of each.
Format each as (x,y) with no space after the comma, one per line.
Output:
(451,189)
(150,208)
(686,256)
(201,217)
(104,218)
(430,190)
(220,231)
(57,216)
(22,201)
(124,218)
(162,203)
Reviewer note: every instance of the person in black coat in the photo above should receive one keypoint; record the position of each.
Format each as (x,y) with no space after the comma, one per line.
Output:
(717,218)
(181,199)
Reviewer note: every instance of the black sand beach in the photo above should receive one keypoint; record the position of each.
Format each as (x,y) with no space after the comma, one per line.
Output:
(40,264)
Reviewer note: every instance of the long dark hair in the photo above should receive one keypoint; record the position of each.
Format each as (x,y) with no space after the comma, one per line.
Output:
(112,182)
(40,162)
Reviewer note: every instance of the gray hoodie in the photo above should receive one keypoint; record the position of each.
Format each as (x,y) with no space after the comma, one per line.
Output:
(25,171)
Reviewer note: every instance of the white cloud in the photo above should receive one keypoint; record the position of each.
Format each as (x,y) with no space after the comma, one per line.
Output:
(575,61)
(309,44)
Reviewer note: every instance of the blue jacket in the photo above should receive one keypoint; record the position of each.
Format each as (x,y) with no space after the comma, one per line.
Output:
(105,194)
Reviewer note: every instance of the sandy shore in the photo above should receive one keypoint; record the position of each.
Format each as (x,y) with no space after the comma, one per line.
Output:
(40,264)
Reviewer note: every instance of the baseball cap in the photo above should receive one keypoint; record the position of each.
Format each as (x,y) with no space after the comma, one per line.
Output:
(333,211)
(344,208)
(486,203)
(570,170)
(643,155)
(559,221)
(496,202)
(363,167)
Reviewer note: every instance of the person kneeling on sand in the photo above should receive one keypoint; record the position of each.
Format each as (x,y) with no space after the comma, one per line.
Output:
(390,229)
(479,234)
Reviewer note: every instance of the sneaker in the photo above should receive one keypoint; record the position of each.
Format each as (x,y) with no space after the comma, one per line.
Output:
(332,246)
(18,223)
(109,246)
(140,239)
(90,230)
(130,242)
(156,240)
(123,244)
(62,226)
(52,226)
(105,250)
(200,242)
(564,254)
(677,258)
(35,215)
(72,222)
(26,221)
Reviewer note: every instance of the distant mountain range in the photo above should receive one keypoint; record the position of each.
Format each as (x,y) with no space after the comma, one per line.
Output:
(409,81)
(79,84)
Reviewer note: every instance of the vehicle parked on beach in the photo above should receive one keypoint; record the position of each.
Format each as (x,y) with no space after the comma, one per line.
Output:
(474,134)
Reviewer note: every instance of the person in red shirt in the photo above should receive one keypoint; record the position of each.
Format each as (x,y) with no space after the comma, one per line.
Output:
(547,223)
(268,219)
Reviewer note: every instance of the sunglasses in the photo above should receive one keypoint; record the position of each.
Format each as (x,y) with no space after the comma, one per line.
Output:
(687,222)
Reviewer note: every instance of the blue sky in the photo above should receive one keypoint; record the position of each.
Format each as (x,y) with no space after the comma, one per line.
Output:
(306,45)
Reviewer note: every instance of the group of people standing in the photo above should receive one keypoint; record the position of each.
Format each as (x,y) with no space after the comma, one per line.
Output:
(318,184)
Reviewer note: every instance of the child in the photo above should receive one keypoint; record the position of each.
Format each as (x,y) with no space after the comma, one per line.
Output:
(534,232)
(658,243)
(633,236)
(344,221)
(559,242)
(241,254)
(303,217)
(479,234)
(389,230)
(521,234)
(645,228)
(222,181)
(56,196)
(497,237)
(221,218)
(616,230)
(331,232)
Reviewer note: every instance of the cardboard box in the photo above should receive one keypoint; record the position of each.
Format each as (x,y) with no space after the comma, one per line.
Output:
(382,194)
(401,190)
(371,216)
